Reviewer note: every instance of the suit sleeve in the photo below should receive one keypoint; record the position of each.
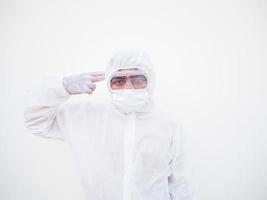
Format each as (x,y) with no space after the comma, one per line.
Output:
(181,184)
(44,111)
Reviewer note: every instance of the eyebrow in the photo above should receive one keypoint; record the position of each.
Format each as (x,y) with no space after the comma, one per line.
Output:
(117,78)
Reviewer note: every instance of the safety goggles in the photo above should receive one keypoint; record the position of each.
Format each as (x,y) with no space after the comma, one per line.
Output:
(122,82)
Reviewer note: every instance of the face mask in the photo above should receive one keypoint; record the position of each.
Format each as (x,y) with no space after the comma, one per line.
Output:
(130,100)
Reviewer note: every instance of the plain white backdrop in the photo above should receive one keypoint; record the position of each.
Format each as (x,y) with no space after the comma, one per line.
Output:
(210,59)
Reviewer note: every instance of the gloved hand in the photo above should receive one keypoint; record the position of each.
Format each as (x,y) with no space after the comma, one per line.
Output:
(82,83)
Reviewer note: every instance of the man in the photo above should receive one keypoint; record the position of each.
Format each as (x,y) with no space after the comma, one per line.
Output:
(127,150)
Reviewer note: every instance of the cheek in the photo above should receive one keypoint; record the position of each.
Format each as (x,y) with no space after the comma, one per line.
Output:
(114,87)
(143,85)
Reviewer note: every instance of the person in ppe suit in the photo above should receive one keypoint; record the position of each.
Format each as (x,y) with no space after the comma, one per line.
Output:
(125,150)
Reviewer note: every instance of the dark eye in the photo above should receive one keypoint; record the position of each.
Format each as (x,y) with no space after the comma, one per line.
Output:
(117,81)
(140,79)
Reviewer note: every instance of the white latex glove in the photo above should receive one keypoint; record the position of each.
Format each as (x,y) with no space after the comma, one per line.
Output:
(83,83)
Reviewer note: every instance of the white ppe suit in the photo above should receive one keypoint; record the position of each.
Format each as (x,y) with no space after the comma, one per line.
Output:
(120,155)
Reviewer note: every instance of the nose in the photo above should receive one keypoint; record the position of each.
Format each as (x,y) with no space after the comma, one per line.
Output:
(128,85)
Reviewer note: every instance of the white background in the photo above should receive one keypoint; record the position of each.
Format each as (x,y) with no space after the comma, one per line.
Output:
(210,59)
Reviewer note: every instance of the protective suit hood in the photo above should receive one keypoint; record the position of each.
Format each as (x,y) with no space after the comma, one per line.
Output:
(132,58)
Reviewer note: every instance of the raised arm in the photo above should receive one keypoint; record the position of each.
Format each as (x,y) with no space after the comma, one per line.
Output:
(44,113)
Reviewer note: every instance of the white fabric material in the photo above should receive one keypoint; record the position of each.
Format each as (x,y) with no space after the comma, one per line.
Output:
(131,100)
(133,156)
(128,150)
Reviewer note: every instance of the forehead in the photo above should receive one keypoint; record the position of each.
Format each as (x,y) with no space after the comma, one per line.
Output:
(128,72)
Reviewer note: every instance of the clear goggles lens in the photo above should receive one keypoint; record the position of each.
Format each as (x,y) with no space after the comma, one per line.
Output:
(137,82)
